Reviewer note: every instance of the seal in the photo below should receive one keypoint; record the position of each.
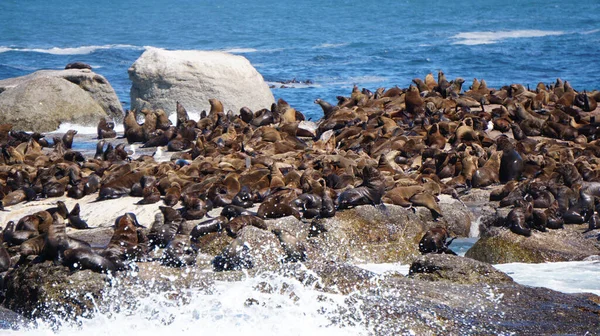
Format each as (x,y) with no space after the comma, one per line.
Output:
(294,249)
(106,129)
(234,257)
(82,258)
(369,192)
(237,223)
(123,244)
(165,226)
(75,220)
(517,218)
(212,225)
(67,138)
(436,240)
(511,163)
(133,131)
(78,65)
(489,173)
(231,211)
(277,210)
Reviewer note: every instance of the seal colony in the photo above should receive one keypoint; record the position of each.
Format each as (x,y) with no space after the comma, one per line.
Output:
(536,148)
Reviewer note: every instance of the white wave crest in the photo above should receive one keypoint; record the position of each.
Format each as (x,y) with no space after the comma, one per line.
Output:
(475,38)
(83,50)
(240,50)
(330,45)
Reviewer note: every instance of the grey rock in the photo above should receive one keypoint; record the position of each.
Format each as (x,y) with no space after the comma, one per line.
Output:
(445,267)
(42,104)
(161,77)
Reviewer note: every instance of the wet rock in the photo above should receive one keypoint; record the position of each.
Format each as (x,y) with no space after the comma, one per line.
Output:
(445,267)
(53,292)
(368,234)
(399,306)
(500,245)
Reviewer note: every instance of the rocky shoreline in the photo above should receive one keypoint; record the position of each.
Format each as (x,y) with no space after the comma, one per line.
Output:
(269,193)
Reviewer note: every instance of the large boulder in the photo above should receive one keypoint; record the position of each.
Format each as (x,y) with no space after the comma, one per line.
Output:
(42,104)
(93,87)
(500,245)
(53,292)
(445,267)
(160,78)
(369,234)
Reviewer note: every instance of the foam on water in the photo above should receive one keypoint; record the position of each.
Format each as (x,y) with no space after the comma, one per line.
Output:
(263,305)
(491,37)
(567,277)
(330,45)
(83,50)
(240,50)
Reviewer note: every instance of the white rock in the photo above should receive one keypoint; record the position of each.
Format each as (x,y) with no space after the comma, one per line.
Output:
(161,77)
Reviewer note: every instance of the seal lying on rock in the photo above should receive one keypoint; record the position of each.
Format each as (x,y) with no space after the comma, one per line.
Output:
(436,240)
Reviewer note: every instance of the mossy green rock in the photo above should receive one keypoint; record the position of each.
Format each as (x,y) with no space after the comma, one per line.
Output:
(500,246)
(369,234)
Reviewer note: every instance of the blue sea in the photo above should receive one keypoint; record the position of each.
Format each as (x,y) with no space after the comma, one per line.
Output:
(334,44)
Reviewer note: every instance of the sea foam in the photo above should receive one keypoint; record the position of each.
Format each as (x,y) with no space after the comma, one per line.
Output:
(476,38)
(83,50)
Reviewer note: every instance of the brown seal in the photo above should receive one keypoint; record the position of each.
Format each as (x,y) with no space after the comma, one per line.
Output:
(106,129)
(236,224)
(67,138)
(436,240)
(133,131)
(369,192)
(212,225)
(124,244)
(294,249)
(518,217)
(78,65)
(489,173)
(82,258)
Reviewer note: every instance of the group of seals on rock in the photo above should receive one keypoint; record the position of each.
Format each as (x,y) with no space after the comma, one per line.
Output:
(399,146)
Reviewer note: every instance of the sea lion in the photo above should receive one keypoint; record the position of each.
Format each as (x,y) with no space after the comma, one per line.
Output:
(12,237)
(309,204)
(179,253)
(78,65)
(231,211)
(133,131)
(277,210)
(82,258)
(165,226)
(369,192)
(182,115)
(489,173)
(294,249)
(234,257)
(436,240)
(4,258)
(123,244)
(243,198)
(429,201)
(212,225)
(105,129)
(239,222)
(517,218)
(67,138)
(75,220)
(511,163)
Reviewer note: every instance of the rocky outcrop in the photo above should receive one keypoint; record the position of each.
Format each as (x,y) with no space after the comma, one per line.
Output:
(500,245)
(48,97)
(42,104)
(445,267)
(53,292)
(160,78)
(369,234)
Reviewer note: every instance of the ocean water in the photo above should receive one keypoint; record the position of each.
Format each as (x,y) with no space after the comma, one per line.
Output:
(335,44)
